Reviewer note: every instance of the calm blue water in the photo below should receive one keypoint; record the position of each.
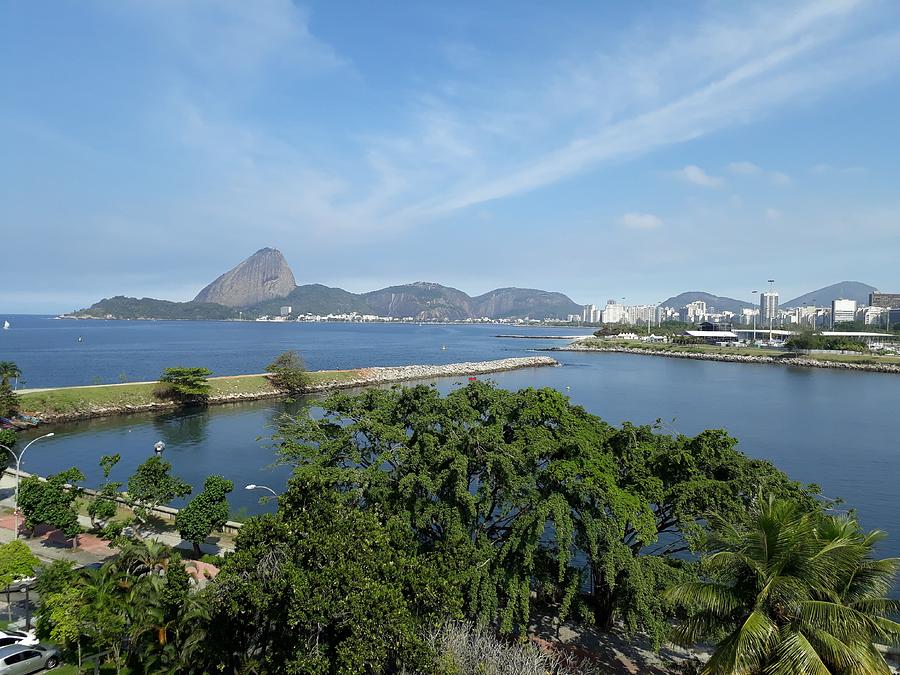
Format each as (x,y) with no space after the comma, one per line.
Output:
(49,354)
(838,429)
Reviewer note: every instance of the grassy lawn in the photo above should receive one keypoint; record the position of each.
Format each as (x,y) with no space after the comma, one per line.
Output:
(74,399)
(743,351)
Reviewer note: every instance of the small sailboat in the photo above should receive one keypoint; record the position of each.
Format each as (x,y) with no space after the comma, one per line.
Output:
(443,347)
(80,339)
(6,325)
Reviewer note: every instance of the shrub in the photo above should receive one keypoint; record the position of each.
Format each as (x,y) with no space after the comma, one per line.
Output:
(466,649)
(8,437)
(184,384)
(288,372)
(9,401)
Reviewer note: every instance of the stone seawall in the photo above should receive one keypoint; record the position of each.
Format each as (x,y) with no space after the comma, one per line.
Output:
(737,358)
(367,377)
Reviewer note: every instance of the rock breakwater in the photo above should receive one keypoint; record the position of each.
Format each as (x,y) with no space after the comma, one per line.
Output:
(737,358)
(364,377)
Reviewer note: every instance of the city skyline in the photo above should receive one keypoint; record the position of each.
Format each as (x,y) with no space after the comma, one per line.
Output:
(634,148)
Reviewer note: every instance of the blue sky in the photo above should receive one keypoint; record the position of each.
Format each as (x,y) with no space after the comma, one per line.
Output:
(604,150)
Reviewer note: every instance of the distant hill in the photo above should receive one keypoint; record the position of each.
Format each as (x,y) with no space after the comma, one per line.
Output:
(713,302)
(264,283)
(315,299)
(506,303)
(849,290)
(421,300)
(120,307)
(263,276)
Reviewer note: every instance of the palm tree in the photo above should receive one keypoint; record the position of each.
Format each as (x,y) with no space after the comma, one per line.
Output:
(791,592)
(8,370)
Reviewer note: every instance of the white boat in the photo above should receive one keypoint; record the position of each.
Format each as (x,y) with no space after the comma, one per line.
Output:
(6,325)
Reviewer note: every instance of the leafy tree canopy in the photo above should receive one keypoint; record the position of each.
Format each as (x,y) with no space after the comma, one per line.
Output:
(322,587)
(186,384)
(9,401)
(205,513)
(791,591)
(50,501)
(152,485)
(16,562)
(8,437)
(8,371)
(288,372)
(520,489)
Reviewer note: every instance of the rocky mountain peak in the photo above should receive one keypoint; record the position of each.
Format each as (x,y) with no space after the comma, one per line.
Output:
(265,275)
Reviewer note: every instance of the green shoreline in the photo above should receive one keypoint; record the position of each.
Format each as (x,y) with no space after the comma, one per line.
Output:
(75,403)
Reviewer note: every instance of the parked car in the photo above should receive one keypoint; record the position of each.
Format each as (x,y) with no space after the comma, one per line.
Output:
(25,659)
(17,637)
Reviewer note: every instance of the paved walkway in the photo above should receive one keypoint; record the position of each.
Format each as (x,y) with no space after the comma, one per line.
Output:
(51,544)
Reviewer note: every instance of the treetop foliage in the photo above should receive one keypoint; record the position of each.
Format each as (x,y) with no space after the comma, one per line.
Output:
(50,501)
(186,384)
(205,513)
(288,372)
(515,486)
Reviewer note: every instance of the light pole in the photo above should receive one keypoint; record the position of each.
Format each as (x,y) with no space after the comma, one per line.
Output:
(754,322)
(253,486)
(18,459)
(770,311)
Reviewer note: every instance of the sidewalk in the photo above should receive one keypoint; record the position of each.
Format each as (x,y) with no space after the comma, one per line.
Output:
(50,544)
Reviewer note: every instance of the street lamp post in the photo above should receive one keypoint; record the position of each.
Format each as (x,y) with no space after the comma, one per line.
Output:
(253,486)
(18,459)
(754,322)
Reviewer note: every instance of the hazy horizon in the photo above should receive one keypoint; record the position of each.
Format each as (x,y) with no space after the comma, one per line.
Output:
(599,151)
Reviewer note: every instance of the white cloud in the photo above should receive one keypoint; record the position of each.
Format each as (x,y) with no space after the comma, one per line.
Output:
(780,178)
(467,143)
(640,221)
(750,169)
(694,174)
(822,169)
(744,168)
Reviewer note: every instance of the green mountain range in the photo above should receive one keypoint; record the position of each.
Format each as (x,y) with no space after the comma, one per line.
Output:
(263,283)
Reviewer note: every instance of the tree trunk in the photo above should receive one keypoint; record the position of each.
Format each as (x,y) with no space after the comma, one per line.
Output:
(197,551)
(604,607)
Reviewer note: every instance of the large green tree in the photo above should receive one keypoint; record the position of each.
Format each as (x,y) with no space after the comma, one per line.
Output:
(16,562)
(9,401)
(205,513)
(153,485)
(189,385)
(52,501)
(288,372)
(8,371)
(523,491)
(102,508)
(321,587)
(792,591)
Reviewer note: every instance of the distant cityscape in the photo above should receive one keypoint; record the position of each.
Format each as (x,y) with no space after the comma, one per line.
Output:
(882,310)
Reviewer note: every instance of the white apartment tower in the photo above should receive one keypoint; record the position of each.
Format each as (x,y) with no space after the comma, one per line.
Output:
(843,310)
(768,308)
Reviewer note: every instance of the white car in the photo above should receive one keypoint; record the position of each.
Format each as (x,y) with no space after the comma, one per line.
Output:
(17,637)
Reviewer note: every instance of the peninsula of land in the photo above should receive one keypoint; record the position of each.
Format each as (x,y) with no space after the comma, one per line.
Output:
(77,403)
(860,362)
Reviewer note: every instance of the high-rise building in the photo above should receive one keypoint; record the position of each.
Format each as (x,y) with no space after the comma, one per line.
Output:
(843,310)
(768,308)
(891,300)
(589,314)
(694,312)
(613,312)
